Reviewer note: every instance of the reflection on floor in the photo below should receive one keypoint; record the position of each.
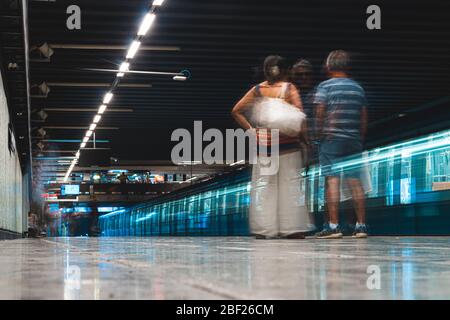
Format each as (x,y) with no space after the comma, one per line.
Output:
(225,268)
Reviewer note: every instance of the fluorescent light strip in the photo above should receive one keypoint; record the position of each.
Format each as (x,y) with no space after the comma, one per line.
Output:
(102,109)
(97,118)
(124,66)
(108,98)
(146,24)
(133,49)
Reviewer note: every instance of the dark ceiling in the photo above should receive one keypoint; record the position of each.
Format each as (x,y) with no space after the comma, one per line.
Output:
(402,66)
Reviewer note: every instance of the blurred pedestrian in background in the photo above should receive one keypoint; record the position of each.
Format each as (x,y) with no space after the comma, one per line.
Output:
(33,228)
(302,76)
(123,178)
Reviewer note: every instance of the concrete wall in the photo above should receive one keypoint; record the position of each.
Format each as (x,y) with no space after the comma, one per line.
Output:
(12,206)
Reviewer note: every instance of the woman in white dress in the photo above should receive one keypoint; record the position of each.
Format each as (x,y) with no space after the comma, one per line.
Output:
(277,207)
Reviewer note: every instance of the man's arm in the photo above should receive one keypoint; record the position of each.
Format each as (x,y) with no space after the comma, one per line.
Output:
(320,116)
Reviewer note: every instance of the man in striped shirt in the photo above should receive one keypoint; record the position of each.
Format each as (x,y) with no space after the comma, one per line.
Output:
(341,122)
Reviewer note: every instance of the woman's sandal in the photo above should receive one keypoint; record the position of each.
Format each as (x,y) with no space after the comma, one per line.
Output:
(298,235)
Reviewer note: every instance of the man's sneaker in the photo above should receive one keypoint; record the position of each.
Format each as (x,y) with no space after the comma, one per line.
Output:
(360,232)
(329,233)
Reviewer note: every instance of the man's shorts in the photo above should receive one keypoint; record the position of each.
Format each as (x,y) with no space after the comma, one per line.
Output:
(333,151)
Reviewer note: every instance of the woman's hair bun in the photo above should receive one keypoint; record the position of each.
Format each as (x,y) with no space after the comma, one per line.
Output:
(275,69)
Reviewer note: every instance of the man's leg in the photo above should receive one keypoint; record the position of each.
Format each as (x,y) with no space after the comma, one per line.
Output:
(332,197)
(329,151)
(358,199)
(360,210)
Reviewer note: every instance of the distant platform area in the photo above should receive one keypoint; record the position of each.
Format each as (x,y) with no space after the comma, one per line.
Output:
(225,268)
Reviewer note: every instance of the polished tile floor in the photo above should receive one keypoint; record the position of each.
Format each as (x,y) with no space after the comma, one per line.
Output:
(225,268)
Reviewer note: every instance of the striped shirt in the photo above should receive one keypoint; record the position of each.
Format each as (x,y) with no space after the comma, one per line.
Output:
(344,100)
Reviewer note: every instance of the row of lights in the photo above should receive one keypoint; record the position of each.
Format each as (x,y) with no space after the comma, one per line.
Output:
(145,26)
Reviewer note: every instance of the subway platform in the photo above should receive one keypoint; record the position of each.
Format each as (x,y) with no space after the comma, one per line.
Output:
(225,268)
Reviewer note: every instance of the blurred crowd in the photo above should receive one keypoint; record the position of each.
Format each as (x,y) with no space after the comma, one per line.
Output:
(331,125)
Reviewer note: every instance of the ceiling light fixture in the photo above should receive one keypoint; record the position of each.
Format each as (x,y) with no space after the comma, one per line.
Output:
(179,78)
(108,98)
(133,49)
(124,66)
(102,109)
(158,3)
(146,24)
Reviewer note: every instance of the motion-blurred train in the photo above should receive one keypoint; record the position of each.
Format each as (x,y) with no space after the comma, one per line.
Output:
(408,193)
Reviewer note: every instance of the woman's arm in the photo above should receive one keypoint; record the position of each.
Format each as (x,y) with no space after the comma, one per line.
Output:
(239,108)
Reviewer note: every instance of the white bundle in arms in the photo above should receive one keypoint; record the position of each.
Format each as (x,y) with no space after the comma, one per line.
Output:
(275,113)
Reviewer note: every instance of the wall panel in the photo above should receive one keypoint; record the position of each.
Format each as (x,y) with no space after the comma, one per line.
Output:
(11,197)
